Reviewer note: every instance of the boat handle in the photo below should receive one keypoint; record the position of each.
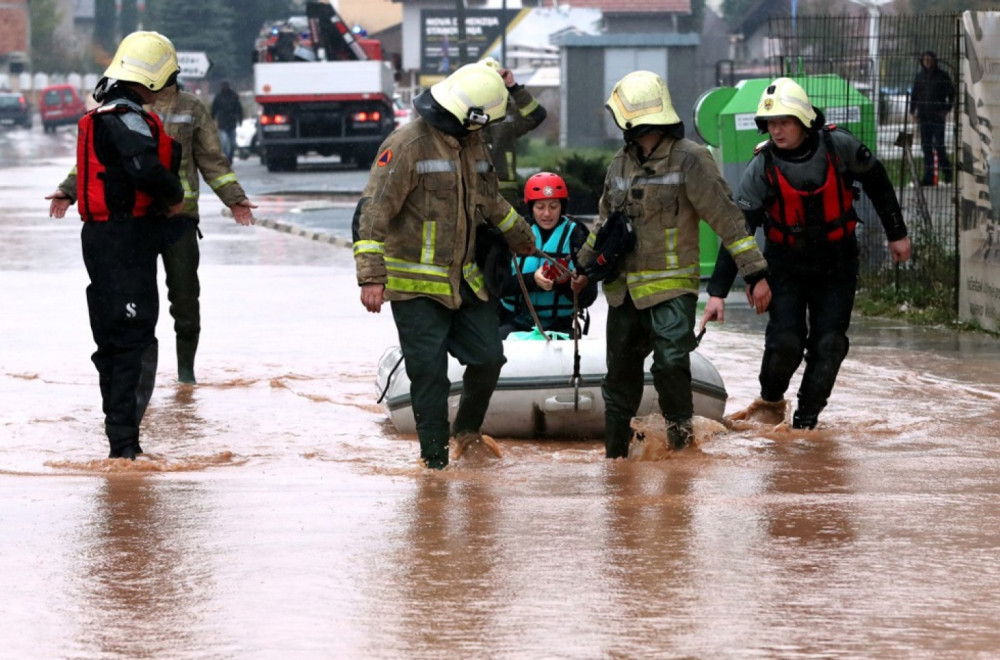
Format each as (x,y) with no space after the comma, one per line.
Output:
(566,402)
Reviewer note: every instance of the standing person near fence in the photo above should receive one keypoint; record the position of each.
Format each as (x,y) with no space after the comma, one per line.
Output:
(186,119)
(799,187)
(127,187)
(227,111)
(931,100)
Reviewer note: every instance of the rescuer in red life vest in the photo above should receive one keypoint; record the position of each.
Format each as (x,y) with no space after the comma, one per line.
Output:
(126,184)
(799,187)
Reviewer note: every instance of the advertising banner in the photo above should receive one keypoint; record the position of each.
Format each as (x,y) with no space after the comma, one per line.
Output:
(979,286)
(439,45)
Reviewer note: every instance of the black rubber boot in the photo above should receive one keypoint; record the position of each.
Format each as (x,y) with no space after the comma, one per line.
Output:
(617,436)
(802,420)
(680,433)
(186,349)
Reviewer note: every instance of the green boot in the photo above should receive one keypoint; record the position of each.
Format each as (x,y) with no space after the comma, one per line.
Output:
(617,436)
(186,348)
(680,433)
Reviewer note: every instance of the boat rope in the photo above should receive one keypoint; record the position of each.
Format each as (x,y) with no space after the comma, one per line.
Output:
(388,379)
(576,352)
(527,298)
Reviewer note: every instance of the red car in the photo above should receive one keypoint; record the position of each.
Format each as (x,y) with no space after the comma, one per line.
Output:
(60,105)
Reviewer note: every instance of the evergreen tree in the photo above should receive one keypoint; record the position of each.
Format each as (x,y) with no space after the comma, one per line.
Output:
(205,26)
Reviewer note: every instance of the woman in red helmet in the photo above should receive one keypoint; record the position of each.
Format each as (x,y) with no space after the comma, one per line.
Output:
(559,236)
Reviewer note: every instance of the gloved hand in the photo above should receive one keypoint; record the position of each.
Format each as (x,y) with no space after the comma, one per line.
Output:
(554,274)
(614,240)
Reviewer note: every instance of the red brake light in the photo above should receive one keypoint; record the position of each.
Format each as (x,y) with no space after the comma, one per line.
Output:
(362,117)
(267,120)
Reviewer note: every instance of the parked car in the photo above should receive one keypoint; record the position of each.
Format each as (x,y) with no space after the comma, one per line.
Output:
(14,110)
(60,105)
(403,113)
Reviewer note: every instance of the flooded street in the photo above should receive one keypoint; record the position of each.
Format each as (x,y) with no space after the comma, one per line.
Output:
(277,513)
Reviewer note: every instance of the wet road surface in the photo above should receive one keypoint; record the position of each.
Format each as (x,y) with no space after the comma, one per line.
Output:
(277,513)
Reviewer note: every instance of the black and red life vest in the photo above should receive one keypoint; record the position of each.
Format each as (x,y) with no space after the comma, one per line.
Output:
(828,209)
(91,172)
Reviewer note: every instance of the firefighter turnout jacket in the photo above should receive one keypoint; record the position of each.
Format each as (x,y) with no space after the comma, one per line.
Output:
(665,196)
(186,119)
(415,226)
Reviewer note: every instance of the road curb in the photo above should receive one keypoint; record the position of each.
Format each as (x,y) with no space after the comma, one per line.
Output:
(319,236)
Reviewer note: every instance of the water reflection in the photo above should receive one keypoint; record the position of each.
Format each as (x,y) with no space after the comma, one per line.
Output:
(141,585)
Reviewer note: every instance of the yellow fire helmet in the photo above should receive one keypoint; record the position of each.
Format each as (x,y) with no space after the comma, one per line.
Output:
(784,98)
(641,99)
(147,58)
(475,94)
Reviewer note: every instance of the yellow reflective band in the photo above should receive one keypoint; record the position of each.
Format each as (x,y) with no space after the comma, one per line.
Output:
(591,239)
(72,172)
(430,235)
(646,275)
(188,193)
(215,184)
(392,263)
(671,244)
(508,222)
(473,276)
(369,247)
(670,284)
(528,109)
(741,246)
(418,286)
(611,287)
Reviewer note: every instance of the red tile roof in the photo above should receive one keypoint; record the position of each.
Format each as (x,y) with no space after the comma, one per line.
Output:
(637,6)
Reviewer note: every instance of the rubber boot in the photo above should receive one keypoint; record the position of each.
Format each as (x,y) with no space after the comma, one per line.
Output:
(434,452)
(617,436)
(147,381)
(186,349)
(680,433)
(804,420)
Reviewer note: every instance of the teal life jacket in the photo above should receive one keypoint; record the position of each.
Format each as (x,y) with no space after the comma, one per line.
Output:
(549,305)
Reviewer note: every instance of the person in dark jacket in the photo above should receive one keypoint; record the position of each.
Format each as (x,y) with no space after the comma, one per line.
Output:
(800,188)
(127,184)
(931,100)
(549,288)
(227,111)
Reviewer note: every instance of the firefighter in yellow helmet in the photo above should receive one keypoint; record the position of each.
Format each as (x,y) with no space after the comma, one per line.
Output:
(127,187)
(645,249)
(800,187)
(431,196)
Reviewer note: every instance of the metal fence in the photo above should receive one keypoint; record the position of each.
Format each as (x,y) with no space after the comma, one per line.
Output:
(880,56)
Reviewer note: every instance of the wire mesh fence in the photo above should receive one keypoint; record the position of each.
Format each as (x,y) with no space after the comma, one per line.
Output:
(880,57)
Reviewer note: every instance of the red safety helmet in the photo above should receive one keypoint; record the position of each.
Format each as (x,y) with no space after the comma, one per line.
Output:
(544,185)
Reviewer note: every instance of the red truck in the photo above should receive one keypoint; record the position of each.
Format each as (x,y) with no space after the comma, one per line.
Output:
(320,90)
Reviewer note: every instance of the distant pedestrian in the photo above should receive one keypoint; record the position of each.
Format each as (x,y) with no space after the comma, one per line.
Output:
(128,183)
(227,111)
(931,100)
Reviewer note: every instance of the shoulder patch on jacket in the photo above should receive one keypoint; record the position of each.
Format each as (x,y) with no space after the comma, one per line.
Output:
(136,123)
(384,158)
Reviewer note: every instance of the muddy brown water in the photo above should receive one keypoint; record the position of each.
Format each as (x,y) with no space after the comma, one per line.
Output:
(278,514)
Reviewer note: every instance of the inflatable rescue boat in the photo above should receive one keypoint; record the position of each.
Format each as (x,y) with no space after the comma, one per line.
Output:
(537,396)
